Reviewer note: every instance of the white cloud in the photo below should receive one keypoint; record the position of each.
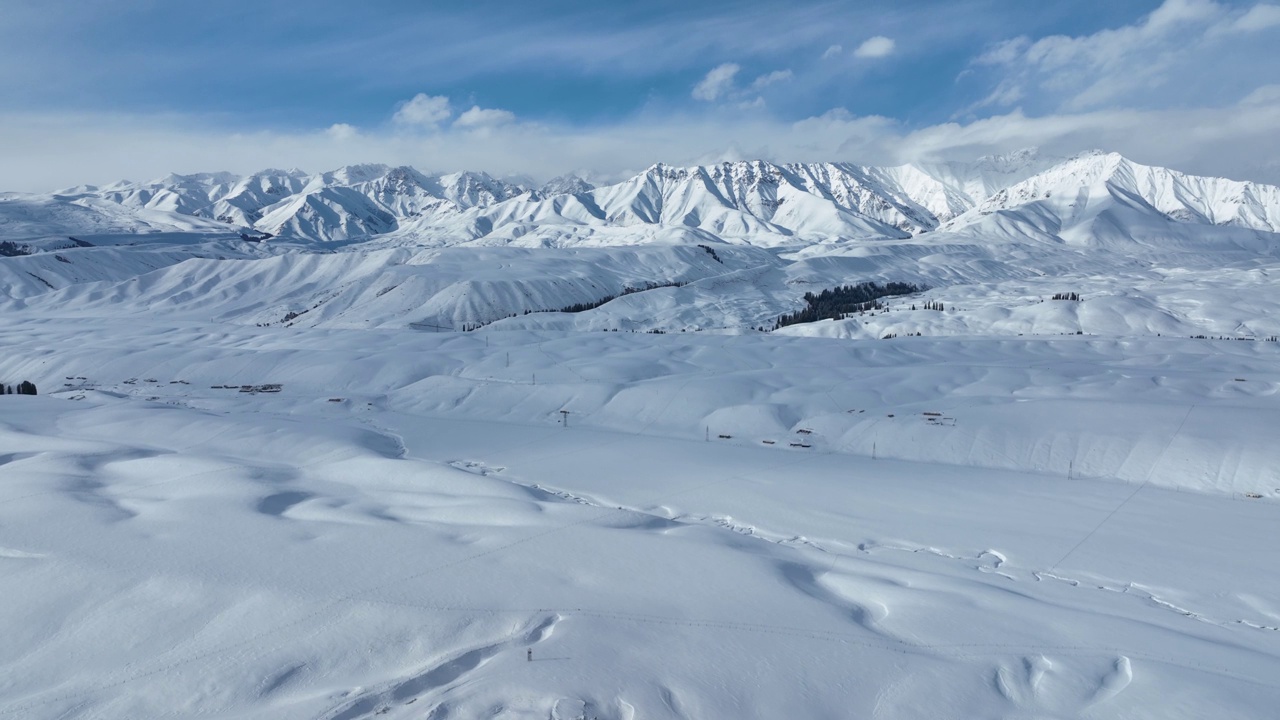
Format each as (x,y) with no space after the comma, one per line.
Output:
(1265,95)
(1006,94)
(772,78)
(1181,49)
(833,51)
(423,111)
(478,117)
(342,131)
(717,83)
(1258,17)
(1175,12)
(1004,52)
(876,47)
(45,152)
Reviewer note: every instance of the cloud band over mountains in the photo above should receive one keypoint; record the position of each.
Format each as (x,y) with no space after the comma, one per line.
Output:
(1186,84)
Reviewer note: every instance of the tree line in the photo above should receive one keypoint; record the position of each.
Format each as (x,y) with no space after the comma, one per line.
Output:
(629,290)
(840,302)
(9,249)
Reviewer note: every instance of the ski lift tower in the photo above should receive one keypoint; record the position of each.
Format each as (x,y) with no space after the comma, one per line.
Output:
(564,418)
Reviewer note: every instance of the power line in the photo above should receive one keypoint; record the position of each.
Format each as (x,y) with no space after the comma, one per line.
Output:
(1132,495)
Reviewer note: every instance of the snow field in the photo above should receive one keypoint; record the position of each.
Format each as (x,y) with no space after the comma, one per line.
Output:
(388,534)
(1190,414)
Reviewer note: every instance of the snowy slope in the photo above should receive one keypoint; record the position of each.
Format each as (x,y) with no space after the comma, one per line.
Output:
(244,202)
(755,202)
(1085,189)
(390,534)
(979,179)
(275,480)
(569,184)
(354,201)
(186,194)
(1137,242)
(27,217)
(57,267)
(447,288)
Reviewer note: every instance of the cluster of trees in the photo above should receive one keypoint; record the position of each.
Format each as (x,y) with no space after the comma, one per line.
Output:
(712,252)
(840,302)
(1074,296)
(583,307)
(9,249)
(22,388)
(932,305)
(471,327)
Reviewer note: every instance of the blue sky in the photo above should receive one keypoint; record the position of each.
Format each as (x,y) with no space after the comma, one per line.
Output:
(120,88)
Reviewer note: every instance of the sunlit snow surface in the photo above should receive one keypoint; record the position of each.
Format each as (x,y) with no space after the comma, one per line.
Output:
(1072,535)
(275,479)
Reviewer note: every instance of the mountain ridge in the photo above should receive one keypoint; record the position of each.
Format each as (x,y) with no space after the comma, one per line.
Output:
(754,201)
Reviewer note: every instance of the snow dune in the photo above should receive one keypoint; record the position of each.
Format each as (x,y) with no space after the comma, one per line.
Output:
(391,532)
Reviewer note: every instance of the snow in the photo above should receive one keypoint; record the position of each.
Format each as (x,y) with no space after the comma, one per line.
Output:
(1033,508)
(281,555)
(754,201)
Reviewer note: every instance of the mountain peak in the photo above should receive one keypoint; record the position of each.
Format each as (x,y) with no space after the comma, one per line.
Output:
(350,174)
(569,184)
(1011,160)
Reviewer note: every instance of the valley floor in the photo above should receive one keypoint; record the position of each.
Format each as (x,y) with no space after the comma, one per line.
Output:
(720,527)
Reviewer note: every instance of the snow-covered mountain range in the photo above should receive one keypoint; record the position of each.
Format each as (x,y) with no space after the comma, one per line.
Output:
(375,246)
(753,202)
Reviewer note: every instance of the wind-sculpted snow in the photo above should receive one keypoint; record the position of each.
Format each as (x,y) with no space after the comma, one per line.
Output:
(722,527)
(1106,407)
